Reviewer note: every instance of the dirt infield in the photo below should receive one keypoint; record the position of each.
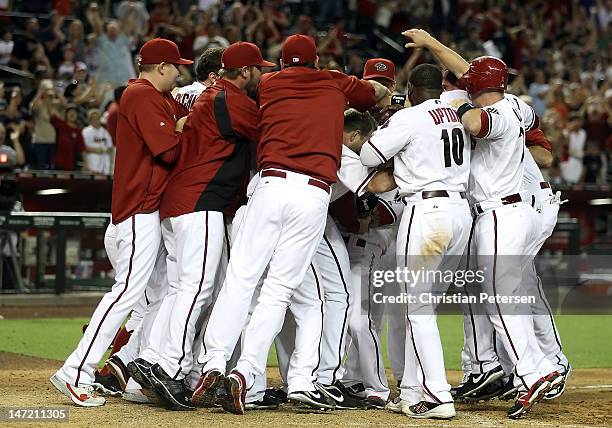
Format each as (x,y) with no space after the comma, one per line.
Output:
(24,382)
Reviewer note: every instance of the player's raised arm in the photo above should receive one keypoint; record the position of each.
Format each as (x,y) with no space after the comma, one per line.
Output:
(445,55)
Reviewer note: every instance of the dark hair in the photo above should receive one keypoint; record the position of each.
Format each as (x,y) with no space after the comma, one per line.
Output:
(426,76)
(208,62)
(451,78)
(357,121)
(233,73)
(309,64)
(118,92)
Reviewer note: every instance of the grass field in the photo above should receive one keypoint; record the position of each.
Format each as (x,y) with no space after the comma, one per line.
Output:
(587,340)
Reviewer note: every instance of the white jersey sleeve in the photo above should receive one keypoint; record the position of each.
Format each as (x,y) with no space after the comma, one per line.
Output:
(353,176)
(388,140)
(497,125)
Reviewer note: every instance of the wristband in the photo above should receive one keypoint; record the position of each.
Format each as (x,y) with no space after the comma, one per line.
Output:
(463,109)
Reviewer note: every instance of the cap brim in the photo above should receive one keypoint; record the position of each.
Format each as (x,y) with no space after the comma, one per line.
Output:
(184,61)
(267,64)
(378,76)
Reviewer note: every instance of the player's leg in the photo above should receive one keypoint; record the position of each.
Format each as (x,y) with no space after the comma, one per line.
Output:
(138,241)
(364,362)
(332,261)
(502,234)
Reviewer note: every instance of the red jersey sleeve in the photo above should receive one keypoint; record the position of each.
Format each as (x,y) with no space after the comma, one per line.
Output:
(156,125)
(359,93)
(81,143)
(56,121)
(243,114)
(535,137)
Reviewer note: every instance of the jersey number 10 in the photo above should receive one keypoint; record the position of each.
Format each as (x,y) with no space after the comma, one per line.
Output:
(457,149)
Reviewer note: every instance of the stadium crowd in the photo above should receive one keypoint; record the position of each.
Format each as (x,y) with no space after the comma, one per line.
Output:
(81,55)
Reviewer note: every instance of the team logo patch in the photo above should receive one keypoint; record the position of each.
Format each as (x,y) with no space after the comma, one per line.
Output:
(381,66)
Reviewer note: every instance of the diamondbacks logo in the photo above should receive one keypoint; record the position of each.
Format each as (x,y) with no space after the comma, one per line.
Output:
(380,66)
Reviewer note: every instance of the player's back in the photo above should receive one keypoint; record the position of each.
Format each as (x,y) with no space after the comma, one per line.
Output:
(187,95)
(437,151)
(497,158)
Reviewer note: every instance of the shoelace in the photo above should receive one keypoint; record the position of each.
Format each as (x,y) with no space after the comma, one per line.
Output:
(90,390)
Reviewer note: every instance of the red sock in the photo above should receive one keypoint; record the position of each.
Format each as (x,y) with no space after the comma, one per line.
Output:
(121,339)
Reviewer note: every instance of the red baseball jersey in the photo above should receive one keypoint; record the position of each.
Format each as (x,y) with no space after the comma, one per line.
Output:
(69,143)
(213,168)
(145,129)
(301,119)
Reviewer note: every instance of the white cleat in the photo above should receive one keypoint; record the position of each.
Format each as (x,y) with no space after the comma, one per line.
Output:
(427,410)
(84,396)
(398,405)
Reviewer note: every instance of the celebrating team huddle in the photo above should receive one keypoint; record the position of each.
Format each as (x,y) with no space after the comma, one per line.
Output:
(237,224)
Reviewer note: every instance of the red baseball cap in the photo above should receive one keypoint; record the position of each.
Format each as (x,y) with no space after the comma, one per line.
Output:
(243,54)
(158,50)
(379,68)
(299,49)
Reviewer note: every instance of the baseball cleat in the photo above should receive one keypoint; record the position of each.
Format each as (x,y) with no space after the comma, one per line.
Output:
(84,396)
(509,391)
(234,394)
(356,391)
(173,391)
(119,370)
(140,371)
(476,382)
(341,398)
(375,402)
(427,410)
(278,394)
(525,400)
(557,390)
(107,385)
(489,392)
(398,405)
(205,393)
(314,399)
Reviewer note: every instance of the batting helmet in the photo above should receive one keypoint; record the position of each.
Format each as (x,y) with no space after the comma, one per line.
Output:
(485,73)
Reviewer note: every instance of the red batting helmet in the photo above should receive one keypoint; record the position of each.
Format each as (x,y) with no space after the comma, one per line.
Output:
(485,73)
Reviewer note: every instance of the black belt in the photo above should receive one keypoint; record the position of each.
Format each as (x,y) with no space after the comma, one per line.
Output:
(359,242)
(428,194)
(544,185)
(506,200)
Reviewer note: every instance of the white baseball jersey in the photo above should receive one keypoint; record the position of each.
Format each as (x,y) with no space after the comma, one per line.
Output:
(532,173)
(353,176)
(454,95)
(498,157)
(98,138)
(431,148)
(187,95)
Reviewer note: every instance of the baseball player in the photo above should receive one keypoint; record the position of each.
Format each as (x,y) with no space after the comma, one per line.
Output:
(431,168)
(148,137)
(208,179)
(505,225)
(298,156)
(207,72)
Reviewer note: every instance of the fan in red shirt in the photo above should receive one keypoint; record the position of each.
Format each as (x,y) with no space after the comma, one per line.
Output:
(148,136)
(301,120)
(69,142)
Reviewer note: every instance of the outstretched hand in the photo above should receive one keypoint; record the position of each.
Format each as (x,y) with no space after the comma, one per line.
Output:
(420,38)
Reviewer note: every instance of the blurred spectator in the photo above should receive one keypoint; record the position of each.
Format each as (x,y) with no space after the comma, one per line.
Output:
(98,144)
(67,68)
(303,25)
(26,44)
(571,165)
(10,144)
(537,92)
(210,38)
(112,113)
(114,59)
(593,163)
(139,15)
(6,46)
(43,138)
(76,40)
(69,142)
